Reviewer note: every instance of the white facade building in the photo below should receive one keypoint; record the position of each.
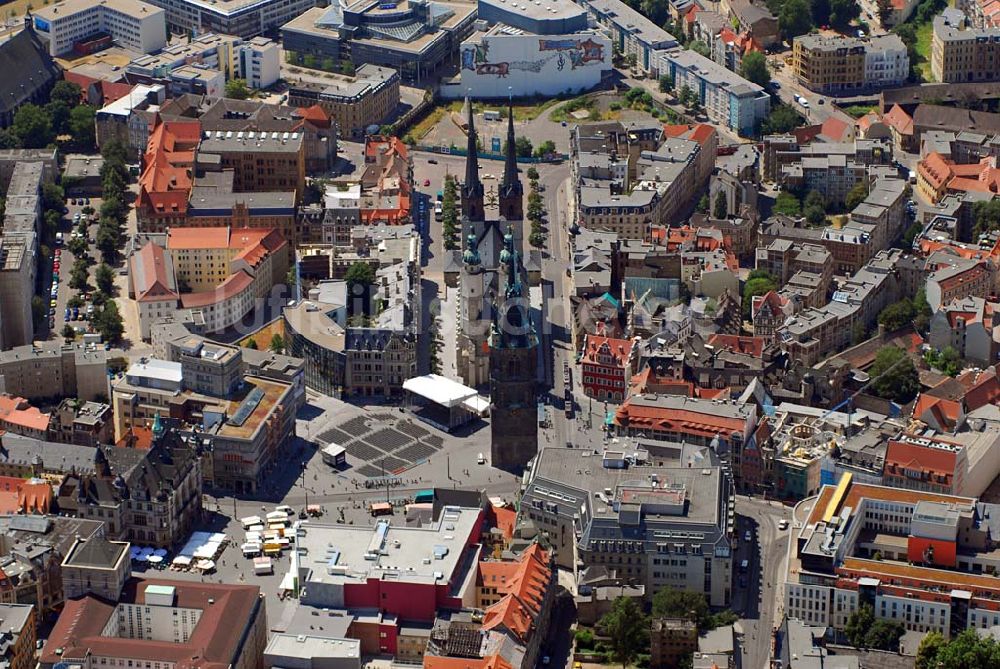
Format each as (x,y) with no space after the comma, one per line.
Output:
(886,62)
(132,24)
(497,63)
(258,62)
(728,98)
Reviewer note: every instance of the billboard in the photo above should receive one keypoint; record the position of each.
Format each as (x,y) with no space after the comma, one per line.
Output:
(495,66)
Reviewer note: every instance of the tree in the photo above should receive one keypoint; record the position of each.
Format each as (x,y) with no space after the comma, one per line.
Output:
(884,10)
(703,204)
(33,127)
(782,119)
(656,11)
(858,624)
(251,344)
(114,153)
(842,12)
(856,195)
(814,199)
(78,247)
(522,147)
(546,148)
(81,125)
(787,204)
(434,352)
(754,68)
(532,174)
(109,323)
(8,140)
(966,650)
(104,277)
(893,375)
(987,216)
(911,233)
(108,240)
(921,311)
(721,207)
(928,650)
(794,19)
(756,286)
(237,89)
(701,48)
(67,93)
(666,83)
(68,332)
(58,113)
(896,316)
(815,215)
(79,275)
(309,61)
(885,635)
(53,197)
(687,604)
(947,360)
(277,343)
(39,310)
(627,628)
(820,10)
(360,273)
(685,95)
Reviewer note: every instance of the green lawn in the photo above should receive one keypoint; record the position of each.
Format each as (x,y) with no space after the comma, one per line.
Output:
(857,111)
(923,48)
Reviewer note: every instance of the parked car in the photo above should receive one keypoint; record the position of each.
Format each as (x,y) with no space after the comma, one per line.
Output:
(427,182)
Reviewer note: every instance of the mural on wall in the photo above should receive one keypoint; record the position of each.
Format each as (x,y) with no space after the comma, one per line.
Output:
(578,53)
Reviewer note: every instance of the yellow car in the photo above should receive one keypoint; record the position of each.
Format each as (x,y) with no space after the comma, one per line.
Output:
(577,665)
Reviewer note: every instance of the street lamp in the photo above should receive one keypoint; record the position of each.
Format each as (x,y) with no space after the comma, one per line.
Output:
(306,492)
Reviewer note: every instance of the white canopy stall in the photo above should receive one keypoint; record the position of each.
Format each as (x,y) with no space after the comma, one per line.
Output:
(444,403)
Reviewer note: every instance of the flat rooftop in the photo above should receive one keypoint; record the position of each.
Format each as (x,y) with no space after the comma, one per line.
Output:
(306,647)
(264,401)
(539,9)
(133,8)
(429,554)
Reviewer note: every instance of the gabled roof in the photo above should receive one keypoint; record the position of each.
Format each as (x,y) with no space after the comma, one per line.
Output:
(495,661)
(152,275)
(899,120)
(523,584)
(27,68)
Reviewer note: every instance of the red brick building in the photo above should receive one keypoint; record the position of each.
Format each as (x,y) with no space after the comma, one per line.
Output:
(607,365)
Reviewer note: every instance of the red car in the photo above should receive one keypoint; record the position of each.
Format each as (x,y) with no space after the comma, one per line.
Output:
(427,182)
(58,252)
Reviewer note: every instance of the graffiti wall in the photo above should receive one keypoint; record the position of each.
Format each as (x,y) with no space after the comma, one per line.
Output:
(494,66)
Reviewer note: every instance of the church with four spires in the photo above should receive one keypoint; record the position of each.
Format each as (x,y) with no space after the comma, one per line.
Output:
(497,340)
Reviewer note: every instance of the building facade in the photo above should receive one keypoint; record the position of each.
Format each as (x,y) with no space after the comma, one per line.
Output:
(845,64)
(137,26)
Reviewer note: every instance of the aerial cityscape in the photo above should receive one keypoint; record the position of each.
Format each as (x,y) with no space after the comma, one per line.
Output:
(500,334)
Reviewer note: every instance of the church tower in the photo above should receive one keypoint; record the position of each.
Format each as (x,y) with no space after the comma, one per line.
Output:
(472,188)
(513,367)
(511,191)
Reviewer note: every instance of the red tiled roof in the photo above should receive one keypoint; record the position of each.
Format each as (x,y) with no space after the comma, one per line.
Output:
(505,520)
(753,346)
(595,346)
(165,182)
(835,129)
(983,388)
(315,115)
(898,119)
(523,584)
(701,133)
(213,644)
(149,275)
(495,661)
(682,421)
(232,286)
(17,411)
(902,455)
(944,412)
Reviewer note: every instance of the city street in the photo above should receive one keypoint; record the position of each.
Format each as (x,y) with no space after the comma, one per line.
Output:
(767,554)
(818,111)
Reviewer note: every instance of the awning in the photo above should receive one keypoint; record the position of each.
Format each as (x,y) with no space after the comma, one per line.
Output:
(440,390)
(181,561)
(478,405)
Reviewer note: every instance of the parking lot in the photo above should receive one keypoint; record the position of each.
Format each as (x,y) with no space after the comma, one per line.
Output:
(61,266)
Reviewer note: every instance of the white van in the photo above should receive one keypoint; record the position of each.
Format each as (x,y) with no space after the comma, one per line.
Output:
(481,459)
